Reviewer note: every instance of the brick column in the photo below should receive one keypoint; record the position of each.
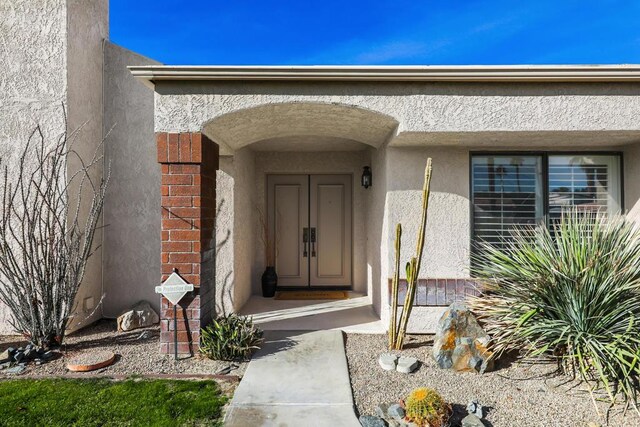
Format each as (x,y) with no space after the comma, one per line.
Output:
(189,162)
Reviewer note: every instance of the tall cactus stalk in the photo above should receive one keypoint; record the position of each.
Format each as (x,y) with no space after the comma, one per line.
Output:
(394,290)
(413,266)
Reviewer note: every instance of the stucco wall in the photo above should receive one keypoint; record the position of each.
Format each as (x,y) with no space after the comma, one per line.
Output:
(33,80)
(131,246)
(235,236)
(87,28)
(631,168)
(419,107)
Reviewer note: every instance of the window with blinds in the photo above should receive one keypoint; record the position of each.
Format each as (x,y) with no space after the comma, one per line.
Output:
(514,190)
(506,191)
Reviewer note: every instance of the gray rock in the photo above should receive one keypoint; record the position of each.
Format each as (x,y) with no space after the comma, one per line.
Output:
(460,343)
(47,355)
(145,335)
(372,421)
(18,356)
(381,410)
(406,365)
(396,412)
(5,356)
(388,361)
(140,316)
(16,370)
(475,408)
(472,421)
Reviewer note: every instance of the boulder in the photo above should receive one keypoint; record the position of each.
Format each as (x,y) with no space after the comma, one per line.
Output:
(140,316)
(460,342)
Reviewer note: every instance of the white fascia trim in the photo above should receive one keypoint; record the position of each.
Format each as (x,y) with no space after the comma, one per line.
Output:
(464,73)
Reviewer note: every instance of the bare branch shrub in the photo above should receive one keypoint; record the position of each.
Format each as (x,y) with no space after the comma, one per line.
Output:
(47,231)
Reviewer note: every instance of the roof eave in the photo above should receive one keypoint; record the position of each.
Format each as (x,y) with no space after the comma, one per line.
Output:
(565,73)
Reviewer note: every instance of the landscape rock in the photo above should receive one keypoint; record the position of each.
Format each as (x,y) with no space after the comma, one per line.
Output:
(460,342)
(406,365)
(5,356)
(16,370)
(396,412)
(381,410)
(388,361)
(140,316)
(475,408)
(372,421)
(472,420)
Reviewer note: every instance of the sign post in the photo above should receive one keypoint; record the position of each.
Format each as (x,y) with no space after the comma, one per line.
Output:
(174,289)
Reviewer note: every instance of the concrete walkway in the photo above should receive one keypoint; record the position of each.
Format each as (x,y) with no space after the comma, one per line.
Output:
(298,378)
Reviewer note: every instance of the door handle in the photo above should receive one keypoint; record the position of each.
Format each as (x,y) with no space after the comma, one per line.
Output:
(305,241)
(313,241)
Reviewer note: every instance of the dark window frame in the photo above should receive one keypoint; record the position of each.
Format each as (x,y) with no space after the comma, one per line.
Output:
(544,157)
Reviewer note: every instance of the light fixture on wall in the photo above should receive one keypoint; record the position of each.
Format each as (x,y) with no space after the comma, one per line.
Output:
(366,177)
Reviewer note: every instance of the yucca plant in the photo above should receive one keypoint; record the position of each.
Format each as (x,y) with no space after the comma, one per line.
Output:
(570,291)
(230,337)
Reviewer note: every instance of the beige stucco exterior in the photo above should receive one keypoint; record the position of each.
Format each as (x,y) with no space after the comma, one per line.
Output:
(293,120)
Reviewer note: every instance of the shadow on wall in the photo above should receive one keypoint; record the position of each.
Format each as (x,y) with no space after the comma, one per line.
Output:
(223,287)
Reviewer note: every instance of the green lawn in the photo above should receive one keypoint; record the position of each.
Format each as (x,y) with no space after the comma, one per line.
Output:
(59,402)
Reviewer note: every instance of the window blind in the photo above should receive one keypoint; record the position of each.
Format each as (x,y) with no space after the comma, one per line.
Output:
(506,191)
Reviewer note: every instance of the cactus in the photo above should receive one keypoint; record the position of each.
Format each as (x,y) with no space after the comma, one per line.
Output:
(394,290)
(412,268)
(426,408)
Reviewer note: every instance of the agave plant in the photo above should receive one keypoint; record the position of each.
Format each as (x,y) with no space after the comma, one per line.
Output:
(230,337)
(570,291)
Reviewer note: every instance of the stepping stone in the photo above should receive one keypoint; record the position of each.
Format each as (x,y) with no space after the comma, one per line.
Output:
(406,365)
(91,361)
(388,361)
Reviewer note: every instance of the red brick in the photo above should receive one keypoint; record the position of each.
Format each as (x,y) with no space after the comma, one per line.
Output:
(184,235)
(164,257)
(177,224)
(183,336)
(164,190)
(177,246)
(173,148)
(177,179)
(182,268)
(189,212)
(185,147)
(184,169)
(184,258)
(185,190)
(165,236)
(180,201)
(163,151)
(196,147)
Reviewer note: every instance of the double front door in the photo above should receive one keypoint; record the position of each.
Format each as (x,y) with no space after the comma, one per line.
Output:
(310,223)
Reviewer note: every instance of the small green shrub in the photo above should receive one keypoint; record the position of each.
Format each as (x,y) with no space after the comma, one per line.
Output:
(571,291)
(230,337)
(426,408)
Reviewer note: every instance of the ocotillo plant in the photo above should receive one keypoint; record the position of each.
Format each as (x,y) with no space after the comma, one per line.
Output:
(397,334)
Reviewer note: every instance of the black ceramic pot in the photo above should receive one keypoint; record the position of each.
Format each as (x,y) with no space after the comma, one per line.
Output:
(269,282)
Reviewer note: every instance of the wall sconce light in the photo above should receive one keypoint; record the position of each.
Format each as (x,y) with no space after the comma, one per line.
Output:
(366,177)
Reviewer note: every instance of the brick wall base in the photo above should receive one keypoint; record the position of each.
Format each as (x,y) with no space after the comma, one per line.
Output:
(189,162)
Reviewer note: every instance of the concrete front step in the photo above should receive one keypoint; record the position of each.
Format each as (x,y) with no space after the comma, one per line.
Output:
(297,378)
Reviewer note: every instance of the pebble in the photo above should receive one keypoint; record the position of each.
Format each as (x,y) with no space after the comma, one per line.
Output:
(406,365)
(388,361)
(372,421)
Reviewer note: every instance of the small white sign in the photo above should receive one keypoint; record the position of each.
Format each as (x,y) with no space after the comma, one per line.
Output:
(174,288)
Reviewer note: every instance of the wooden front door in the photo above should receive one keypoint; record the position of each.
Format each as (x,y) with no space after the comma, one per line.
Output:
(310,220)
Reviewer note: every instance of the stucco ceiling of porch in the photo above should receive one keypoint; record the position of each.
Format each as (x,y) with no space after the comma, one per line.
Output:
(300,126)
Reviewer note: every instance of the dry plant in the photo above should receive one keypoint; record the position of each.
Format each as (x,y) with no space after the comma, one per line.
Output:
(266,238)
(47,232)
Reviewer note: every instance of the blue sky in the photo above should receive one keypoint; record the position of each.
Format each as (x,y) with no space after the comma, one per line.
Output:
(419,32)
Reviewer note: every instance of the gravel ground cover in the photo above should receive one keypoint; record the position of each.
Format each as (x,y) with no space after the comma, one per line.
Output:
(136,355)
(518,394)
